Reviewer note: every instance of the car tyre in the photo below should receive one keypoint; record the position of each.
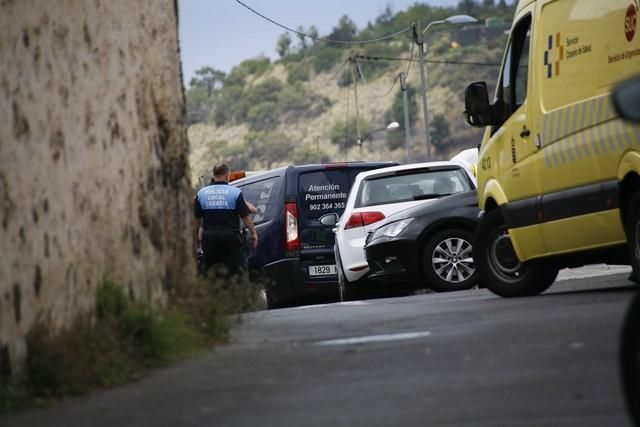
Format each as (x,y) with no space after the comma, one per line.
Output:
(346,289)
(633,235)
(498,267)
(447,261)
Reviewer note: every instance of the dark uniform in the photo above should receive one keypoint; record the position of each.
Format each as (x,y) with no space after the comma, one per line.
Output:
(220,205)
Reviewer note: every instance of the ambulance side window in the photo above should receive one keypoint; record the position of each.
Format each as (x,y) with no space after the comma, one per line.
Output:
(513,84)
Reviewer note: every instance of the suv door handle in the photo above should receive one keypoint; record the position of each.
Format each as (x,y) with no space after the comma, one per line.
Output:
(525,133)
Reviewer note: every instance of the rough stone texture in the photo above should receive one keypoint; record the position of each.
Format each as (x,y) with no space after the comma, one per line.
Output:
(93,159)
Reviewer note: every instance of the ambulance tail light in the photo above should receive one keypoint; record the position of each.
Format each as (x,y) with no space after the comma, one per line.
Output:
(291,226)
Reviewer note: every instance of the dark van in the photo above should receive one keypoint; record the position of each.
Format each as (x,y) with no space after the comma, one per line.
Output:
(295,241)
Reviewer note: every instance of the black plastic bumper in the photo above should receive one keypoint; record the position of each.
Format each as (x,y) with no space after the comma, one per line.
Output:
(287,282)
(394,260)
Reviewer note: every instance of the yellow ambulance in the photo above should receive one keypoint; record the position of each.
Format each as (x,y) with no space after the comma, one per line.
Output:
(558,169)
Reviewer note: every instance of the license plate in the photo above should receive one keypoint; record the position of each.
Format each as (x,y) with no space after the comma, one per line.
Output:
(322,270)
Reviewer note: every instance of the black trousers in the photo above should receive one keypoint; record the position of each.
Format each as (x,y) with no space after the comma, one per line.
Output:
(222,247)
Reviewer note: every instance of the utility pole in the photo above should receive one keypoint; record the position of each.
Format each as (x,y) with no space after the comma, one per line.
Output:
(419,40)
(405,108)
(354,77)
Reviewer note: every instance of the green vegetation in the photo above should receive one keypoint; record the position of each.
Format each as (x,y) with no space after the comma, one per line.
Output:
(297,72)
(284,43)
(291,98)
(264,105)
(439,131)
(125,339)
(326,58)
(343,133)
(251,67)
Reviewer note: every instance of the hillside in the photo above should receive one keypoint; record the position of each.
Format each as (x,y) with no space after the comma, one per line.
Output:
(302,107)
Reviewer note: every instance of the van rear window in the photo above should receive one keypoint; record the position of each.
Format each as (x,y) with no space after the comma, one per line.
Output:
(323,192)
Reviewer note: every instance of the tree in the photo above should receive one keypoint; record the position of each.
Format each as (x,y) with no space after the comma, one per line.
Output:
(309,153)
(284,43)
(343,134)
(488,4)
(386,16)
(439,131)
(273,148)
(263,116)
(267,91)
(203,94)
(346,29)
(236,155)
(297,72)
(302,38)
(467,7)
(207,77)
(313,33)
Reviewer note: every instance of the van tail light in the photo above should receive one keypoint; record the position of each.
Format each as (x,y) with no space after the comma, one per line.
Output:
(361,219)
(291,226)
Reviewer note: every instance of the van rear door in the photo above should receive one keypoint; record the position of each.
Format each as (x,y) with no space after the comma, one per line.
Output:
(320,193)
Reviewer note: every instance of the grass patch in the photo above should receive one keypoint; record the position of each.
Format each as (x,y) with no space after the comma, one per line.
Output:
(124,339)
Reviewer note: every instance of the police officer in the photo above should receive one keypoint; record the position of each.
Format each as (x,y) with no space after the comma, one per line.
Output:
(217,208)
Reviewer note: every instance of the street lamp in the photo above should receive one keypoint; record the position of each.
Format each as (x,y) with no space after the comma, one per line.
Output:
(418,34)
(390,126)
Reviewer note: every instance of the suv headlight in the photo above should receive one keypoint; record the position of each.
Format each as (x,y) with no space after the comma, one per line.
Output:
(392,230)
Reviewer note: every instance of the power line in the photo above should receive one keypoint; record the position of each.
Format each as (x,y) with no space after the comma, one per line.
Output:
(391,88)
(343,42)
(337,73)
(431,61)
(406,73)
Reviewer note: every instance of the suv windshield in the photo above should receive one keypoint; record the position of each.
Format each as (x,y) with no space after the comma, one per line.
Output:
(403,186)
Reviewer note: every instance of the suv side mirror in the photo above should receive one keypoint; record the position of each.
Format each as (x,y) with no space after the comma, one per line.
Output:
(478,111)
(626,99)
(329,219)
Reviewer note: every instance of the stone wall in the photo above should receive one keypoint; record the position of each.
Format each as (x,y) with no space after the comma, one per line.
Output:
(93,159)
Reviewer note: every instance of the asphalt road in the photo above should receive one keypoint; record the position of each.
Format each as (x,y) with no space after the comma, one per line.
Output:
(459,359)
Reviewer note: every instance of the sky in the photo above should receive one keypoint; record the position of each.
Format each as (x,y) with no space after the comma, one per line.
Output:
(222,33)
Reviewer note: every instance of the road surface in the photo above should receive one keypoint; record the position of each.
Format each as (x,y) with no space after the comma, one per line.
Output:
(457,359)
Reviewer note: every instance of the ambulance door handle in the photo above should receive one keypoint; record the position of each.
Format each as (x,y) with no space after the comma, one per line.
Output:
(525,133)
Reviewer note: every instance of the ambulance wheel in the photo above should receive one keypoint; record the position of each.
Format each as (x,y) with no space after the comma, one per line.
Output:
(498,267)
(633,235)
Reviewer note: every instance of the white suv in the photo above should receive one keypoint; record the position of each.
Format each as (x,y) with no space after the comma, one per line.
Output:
(379,193)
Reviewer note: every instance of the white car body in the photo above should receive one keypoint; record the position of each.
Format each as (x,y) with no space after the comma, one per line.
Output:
(349,242)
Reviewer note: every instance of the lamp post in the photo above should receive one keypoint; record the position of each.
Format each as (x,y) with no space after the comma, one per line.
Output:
(405,109)
(418,37)
(390,126)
